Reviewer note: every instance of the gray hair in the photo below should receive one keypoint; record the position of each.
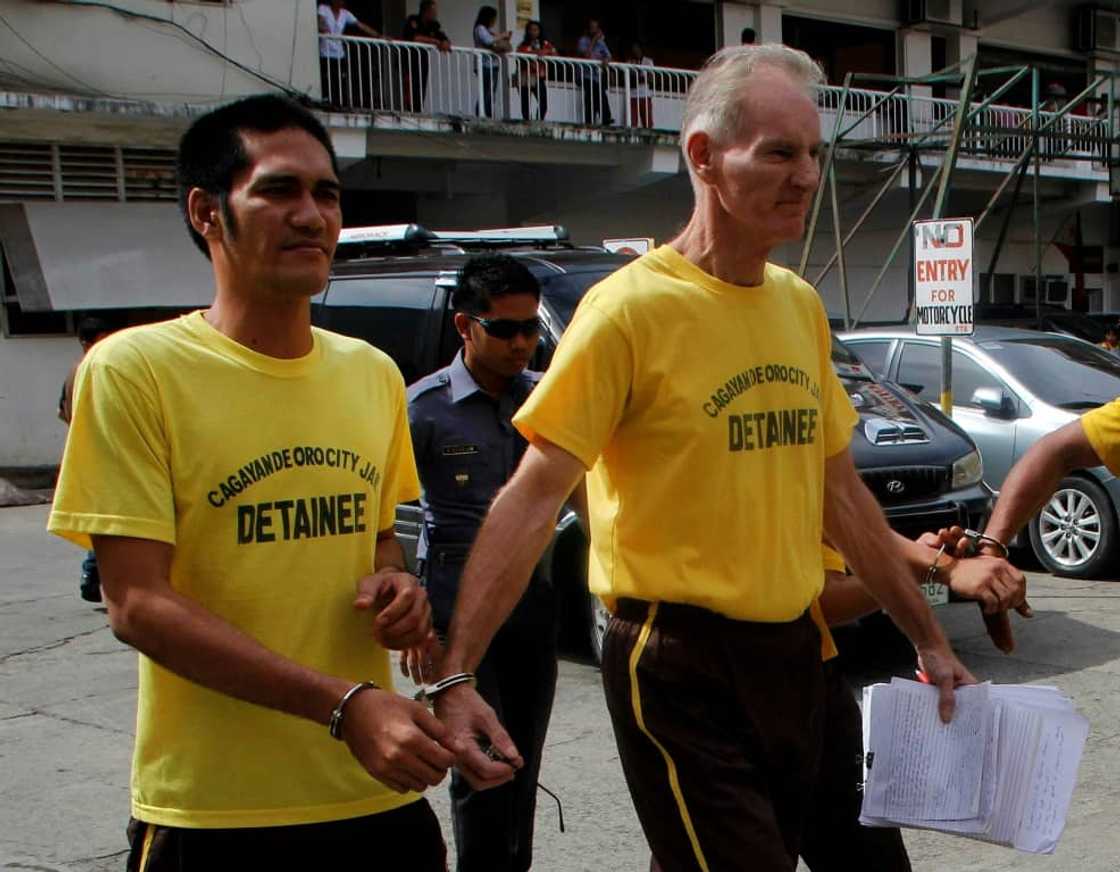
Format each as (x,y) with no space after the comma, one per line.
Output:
(714,102)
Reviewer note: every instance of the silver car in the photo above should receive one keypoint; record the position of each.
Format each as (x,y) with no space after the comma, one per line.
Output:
(1010,388)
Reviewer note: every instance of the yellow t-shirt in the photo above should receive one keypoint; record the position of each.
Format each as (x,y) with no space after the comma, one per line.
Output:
(705,412)
(833,562)
(271,478)
(1102,427)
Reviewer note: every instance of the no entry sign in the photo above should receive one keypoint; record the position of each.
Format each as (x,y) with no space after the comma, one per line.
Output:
(943,277)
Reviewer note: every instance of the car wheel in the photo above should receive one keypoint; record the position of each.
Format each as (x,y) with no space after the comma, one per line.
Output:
(597,619)
(1075,533)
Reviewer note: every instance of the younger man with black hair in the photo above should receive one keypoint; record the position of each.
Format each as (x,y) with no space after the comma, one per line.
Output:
(466,449)
(238,473)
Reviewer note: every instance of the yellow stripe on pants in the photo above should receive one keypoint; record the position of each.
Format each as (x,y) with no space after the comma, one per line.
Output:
(636,701)
(146,847)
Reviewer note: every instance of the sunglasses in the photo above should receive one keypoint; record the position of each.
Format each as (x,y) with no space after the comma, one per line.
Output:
(507,328)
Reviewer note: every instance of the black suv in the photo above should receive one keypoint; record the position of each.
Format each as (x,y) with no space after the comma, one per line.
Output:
(391,286)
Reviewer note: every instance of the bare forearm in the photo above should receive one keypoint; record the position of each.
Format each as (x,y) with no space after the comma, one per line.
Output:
(192,642)
(388,553)
(855,523)
(1033,480)
(845,599)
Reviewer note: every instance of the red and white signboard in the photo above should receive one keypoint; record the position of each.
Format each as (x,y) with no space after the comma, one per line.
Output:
(633,245)
(944,278)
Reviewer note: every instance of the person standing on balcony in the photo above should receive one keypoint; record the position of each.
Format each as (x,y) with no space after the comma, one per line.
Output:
(334,18)
(713,480)
(594,79)
(533,74)
(466,449)
(1053,143)
(424,28)
(641,100)
(495,45)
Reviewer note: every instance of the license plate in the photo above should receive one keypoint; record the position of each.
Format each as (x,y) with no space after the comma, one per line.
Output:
(936,594)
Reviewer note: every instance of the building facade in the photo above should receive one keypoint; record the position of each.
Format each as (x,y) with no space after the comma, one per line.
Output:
(93,100)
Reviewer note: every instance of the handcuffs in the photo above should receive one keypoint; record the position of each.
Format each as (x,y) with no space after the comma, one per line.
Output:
(977,539)
(428,692)
(931,573)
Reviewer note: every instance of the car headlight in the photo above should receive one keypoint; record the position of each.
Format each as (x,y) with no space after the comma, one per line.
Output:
(968,470)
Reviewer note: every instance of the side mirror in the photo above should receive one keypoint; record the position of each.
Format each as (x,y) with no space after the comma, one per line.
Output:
(994,402)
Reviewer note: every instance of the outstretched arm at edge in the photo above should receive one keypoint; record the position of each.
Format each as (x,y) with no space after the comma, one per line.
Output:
(1033,480)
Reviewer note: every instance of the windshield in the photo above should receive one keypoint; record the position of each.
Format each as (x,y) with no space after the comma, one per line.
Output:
(564,290)
(1059,370)
(847,364)
(1078,325)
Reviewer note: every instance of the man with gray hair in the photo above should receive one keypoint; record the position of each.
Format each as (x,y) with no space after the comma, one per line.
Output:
(696,387)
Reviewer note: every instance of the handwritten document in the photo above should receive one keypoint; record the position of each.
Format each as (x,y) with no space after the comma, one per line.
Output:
(1003,770)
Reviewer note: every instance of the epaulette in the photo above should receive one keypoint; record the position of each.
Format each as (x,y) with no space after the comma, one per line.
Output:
(438,379)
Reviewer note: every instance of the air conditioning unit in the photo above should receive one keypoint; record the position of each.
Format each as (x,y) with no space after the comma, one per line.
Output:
(931,12)
(1097,30)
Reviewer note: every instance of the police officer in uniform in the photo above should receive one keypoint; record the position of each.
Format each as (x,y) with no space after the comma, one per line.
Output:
(466,449)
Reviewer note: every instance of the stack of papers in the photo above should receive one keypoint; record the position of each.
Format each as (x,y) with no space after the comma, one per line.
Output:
(1002,771)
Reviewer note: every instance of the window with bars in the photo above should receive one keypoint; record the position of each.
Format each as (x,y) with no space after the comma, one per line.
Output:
(68,172)
(1055,290)
(1000,288)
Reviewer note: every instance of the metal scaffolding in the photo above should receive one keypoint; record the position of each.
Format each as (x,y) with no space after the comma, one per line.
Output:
(975,129)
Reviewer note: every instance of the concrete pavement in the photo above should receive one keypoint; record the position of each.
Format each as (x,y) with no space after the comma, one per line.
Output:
(67,707)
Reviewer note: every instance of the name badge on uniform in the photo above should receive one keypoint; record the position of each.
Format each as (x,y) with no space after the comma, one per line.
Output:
(462,478)
(458,450)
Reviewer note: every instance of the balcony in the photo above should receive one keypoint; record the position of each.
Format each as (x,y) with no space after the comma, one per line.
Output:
(463,83)
(540,94)
(1075,145)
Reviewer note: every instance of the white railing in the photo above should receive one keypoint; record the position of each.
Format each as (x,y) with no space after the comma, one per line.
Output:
(415,78)
(998,132)
(419,79)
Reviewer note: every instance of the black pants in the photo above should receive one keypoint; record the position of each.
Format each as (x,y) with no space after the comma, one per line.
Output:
(833,839)
(415,81)
(405,838)
(517,678)
(489,84)
(537,88)
(596,101)
(718,724)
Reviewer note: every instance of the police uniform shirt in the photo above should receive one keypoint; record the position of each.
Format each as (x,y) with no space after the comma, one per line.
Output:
(466,447)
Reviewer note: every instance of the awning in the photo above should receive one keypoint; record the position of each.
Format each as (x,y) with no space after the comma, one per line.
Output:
(68,256)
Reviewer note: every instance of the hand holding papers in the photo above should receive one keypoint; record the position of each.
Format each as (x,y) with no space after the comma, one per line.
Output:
(1002,771)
